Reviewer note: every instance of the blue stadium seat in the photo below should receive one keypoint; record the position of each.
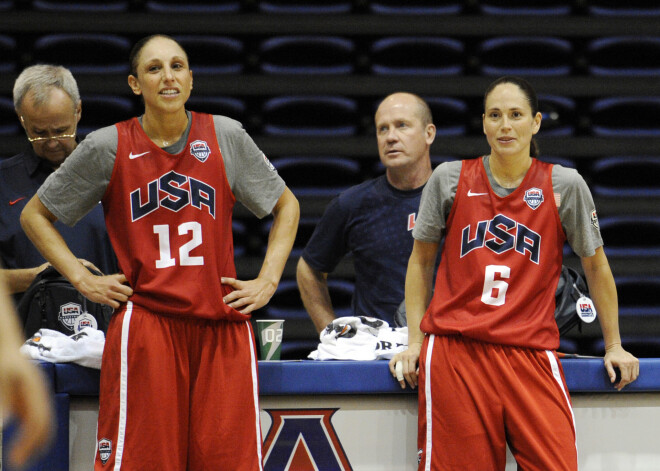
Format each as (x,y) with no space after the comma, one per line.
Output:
(626,116)
(306,227)
(626,176)
(525,7)
(307,55)
(193,6)
(416,7)
(534,55)
(450,115)
(286,303)
(318,175)
(315,115)
(641,346)
(8,54)
(6,5)
(624,56)
(231,107)
(90,6)
(84,53)
(627,8)
(9,125)
(559,115)
(418,55)
(213,54)
(103,110)
(304,7)
(631,235)
(240,232)
(638,295)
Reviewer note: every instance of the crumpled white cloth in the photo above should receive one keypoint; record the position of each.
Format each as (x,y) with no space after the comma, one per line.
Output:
(360,338)
(84,348)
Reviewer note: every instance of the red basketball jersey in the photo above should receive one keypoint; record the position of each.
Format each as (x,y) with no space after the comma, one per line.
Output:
(169,218)
(500,263)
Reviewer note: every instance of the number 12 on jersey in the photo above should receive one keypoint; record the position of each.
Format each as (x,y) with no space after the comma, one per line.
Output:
(494,291)
(185,259)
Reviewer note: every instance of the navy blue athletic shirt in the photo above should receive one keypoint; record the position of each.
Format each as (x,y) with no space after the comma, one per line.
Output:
(373,223)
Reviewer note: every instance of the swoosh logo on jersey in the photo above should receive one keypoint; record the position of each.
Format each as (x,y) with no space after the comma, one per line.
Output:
(135,156)
(12,203)
(476,194)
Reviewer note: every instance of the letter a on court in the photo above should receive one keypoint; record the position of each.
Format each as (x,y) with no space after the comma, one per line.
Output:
(303,440)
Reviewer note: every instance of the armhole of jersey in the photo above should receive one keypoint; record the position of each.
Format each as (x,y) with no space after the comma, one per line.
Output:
(221,157)
(459,187)
(114,163)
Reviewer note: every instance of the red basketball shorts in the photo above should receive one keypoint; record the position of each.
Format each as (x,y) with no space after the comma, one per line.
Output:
(475,398)
(178,394)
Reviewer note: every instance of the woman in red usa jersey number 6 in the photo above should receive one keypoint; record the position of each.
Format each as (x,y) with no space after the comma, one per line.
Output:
(179,375)
(482,343)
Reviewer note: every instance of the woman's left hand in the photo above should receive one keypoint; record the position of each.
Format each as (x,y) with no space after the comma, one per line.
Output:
(248,295)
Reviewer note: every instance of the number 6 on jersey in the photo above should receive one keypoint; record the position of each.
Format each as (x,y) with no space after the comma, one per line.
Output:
(495,290)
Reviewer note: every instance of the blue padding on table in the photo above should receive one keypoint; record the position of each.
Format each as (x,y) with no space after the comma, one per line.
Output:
(56,458)
(76,380)
(326,377)
(589,375)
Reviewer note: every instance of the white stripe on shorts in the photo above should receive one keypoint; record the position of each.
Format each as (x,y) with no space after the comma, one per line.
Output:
(428,404)
(557,376)
(123,385)
(255,393)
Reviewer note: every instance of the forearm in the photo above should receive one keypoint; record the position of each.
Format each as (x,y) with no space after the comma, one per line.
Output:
(19,279)
(419,280)
(313,287)
(38,223)
(281,237)
(602,290)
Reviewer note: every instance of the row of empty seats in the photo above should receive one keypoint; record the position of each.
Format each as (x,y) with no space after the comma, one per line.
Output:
(332,115)
(391,7)
(397,55)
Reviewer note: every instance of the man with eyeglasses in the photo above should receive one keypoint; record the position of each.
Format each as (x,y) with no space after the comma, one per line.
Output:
(47,102)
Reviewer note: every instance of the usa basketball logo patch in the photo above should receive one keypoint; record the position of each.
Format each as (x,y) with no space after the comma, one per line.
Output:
(533,197)
(200,150)
(105,450)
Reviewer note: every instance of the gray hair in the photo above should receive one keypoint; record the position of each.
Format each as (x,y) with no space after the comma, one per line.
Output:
(39,79)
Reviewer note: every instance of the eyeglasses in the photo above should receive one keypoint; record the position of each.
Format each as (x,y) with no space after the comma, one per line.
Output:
(61,137)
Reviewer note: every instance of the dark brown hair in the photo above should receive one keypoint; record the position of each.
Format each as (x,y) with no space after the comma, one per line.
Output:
(134,56)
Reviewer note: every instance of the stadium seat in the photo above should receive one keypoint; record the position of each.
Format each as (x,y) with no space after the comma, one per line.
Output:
(286,303)
(418,55)
(626,176)
(638,295)
(318,175)
(627,8)
(305,7)
(315,115)
(526,55)
(84,53)
(193,6)
(306,227)
(6,5)
(103,110)
(231,107)
(9,124)
(213,54)
(416,7)
(626,116)
(90,6)
(559,115)
(641,346)
(631,235)
(524,7)
(629,56)
(450,115)
(307,55)
(240,232)
(8,54)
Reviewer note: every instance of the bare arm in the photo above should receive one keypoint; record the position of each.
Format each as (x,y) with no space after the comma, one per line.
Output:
(313,287)
(23,391)
(253,294)
(38,224)
(603,293)
(419,280)
(19,279)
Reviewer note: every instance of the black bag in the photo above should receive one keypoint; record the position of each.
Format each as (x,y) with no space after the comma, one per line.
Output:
(571,287)
(51,302)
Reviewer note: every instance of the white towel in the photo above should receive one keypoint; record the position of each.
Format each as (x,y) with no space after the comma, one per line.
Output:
(84,348)
(360,338)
